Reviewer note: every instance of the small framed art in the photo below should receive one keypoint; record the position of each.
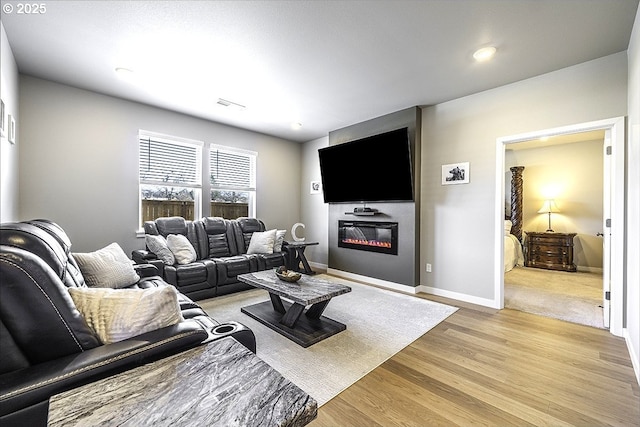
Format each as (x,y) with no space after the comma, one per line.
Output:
(316,187)
(455,173)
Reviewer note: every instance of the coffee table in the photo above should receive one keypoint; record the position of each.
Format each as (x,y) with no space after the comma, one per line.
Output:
(286,317)
(220,383)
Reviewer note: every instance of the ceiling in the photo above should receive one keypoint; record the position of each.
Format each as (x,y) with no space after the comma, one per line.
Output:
(324,64)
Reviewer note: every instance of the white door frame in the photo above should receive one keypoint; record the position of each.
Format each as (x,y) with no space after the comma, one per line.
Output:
(614,131)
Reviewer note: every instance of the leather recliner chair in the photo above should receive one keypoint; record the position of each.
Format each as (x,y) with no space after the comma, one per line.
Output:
(46,346)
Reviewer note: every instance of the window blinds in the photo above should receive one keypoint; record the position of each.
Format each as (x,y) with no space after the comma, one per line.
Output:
(231,170)
(163,161)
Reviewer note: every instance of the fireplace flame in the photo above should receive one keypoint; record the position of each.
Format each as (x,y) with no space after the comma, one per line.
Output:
(375,243)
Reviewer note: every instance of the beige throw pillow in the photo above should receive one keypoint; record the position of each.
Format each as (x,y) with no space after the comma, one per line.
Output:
(108,267)
(117,314)
(262,242)
(181,248)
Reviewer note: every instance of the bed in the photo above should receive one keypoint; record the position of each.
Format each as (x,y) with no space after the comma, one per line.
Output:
(513,254)
(512,248)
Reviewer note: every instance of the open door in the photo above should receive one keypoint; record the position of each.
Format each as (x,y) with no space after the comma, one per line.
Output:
(606,227)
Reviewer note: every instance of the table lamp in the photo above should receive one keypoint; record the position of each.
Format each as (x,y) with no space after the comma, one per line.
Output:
(547,207)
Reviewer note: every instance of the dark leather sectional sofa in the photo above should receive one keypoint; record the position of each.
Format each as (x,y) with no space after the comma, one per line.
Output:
(221,247)
(46,347)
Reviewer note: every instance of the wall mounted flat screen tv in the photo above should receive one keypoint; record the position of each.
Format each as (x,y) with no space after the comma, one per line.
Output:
(373,169)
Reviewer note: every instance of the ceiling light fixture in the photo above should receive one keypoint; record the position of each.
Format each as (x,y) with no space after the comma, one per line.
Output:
(230,105)
(484,54)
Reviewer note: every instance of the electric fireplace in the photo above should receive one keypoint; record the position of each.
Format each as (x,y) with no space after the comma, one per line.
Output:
(372,236)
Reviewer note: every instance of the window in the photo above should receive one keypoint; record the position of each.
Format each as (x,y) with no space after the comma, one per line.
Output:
(172,179)
(233,182)
(170,173)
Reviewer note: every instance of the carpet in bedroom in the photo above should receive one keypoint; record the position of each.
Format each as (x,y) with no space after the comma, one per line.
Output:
(379,322)
(573,297)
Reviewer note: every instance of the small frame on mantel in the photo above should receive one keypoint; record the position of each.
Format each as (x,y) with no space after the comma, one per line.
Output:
(455,173)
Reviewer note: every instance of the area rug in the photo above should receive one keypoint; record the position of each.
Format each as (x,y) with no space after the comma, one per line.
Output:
(379,322)
(573,297)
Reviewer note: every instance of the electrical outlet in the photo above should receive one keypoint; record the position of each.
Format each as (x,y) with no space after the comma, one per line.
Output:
(428,268)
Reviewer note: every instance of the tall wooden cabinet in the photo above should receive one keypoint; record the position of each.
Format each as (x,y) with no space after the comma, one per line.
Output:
(551,251)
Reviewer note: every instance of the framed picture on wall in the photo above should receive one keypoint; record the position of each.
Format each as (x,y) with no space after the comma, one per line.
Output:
(316,187)
(455,173)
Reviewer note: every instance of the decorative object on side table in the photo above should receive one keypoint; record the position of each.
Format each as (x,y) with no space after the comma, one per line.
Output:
(293,232)
(287,275)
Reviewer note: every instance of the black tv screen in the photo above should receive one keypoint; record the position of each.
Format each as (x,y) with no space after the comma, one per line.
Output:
(372,169)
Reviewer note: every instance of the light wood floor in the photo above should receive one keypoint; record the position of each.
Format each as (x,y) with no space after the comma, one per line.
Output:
(498,368)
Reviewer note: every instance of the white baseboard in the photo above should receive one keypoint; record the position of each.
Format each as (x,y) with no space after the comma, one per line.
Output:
(635,358)
(589,269)
(373,281)
(318,266)
(458,296)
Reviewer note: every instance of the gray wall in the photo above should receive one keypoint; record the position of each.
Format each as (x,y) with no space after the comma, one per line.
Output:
(79,162)
(313,210)
(458,220)
(401,268)
(9,152)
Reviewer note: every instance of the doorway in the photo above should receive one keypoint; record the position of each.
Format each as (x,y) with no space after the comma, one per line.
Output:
(613,211)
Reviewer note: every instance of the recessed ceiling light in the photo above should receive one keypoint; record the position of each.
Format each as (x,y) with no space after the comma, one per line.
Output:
(296,125)
(484,54)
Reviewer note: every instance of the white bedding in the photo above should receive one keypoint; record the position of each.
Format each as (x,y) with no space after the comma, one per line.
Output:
(512,252)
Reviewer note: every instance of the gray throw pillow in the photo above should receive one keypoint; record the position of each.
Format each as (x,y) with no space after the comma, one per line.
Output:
(158,245)
(108,267)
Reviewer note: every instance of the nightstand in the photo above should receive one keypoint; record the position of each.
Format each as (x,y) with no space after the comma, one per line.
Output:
(551,251)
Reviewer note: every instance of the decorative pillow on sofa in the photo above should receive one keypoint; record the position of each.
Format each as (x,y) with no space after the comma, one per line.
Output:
(262,242)
(158,245)
(118,314)
(277,246)
(181,248)
(108,267)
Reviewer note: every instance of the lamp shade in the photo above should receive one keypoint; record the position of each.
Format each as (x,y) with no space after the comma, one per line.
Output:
(549,206)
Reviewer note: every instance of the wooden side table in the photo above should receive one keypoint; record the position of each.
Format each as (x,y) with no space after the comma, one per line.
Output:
(551,251)
(296,256)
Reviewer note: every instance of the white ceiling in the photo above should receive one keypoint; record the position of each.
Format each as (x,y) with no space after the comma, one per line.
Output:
(325,64)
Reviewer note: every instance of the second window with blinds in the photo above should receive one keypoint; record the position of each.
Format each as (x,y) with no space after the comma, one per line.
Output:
(174,179)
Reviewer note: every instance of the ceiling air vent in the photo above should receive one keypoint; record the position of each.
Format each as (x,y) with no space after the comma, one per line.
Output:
(231,105)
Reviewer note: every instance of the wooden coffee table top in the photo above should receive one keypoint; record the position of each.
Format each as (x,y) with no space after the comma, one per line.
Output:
(307,290)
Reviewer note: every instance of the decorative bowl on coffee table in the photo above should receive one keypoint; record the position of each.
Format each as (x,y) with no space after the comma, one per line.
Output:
(288,276)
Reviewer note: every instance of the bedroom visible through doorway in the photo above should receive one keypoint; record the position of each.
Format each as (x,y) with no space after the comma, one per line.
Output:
(596,238)
(567,169)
